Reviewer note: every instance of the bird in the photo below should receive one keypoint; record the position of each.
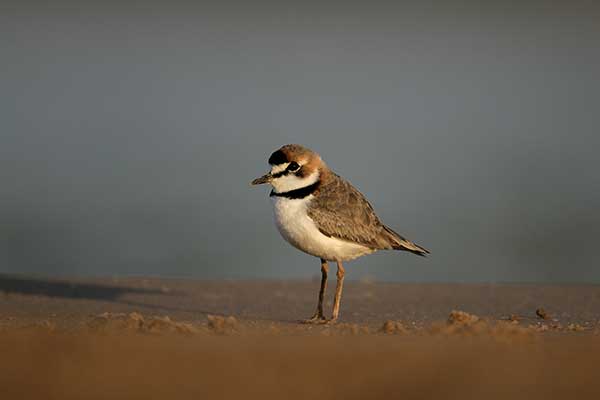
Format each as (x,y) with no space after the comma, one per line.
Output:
(322,214)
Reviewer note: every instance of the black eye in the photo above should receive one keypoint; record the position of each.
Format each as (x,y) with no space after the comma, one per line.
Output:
(293,166)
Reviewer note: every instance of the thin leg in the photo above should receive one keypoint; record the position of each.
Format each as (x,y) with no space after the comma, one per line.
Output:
(324,271)
(338,291)
(318,315)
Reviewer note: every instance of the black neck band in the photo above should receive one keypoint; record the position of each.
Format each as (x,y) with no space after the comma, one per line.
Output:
(298,193)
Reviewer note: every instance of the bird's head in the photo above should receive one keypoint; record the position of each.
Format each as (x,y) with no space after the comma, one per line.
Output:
(292,167)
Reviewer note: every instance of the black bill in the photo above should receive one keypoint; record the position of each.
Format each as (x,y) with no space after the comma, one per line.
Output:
(266,178)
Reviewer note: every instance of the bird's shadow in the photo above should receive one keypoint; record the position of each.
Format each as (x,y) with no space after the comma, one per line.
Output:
(67,289)
(72,290)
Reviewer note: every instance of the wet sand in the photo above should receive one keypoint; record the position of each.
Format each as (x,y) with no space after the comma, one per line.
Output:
(149,338)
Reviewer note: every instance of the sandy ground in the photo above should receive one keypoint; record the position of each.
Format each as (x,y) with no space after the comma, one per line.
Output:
(166,338)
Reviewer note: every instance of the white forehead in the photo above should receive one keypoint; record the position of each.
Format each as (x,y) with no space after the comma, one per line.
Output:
(278,168)
(281,167)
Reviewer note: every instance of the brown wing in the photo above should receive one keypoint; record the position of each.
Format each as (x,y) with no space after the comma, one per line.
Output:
(339,210)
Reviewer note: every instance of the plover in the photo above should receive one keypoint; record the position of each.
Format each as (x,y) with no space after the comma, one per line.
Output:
(322,214)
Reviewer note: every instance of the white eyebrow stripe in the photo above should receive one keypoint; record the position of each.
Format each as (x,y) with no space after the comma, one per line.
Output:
(279,168)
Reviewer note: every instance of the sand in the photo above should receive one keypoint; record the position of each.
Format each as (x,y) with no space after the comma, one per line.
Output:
(182,339)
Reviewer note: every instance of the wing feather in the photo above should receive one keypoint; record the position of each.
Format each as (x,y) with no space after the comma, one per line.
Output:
(339,210)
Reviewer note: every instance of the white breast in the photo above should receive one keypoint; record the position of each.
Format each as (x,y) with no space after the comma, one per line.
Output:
(300,231)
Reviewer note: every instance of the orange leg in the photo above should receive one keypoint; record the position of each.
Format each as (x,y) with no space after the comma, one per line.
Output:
(338,291)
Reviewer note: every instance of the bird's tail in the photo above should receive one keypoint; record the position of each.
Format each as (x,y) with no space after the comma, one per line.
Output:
(399,243)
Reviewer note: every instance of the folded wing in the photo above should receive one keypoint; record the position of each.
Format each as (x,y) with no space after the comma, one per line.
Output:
(339,210)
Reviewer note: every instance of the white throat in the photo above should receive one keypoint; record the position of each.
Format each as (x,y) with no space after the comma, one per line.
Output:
(290,182)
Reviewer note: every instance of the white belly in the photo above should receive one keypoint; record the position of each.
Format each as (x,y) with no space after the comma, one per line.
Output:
(300,231)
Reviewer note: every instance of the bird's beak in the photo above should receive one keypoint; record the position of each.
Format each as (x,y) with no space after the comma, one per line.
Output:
(266,178)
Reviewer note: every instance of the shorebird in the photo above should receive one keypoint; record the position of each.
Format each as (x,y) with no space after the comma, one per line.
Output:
(322,214)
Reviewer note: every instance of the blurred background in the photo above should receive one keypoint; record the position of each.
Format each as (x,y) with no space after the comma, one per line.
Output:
(129,134)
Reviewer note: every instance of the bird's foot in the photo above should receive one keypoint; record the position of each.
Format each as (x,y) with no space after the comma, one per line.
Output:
(315,319)
(320,320)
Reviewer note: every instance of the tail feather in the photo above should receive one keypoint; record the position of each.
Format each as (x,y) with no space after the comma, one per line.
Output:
(399,243)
